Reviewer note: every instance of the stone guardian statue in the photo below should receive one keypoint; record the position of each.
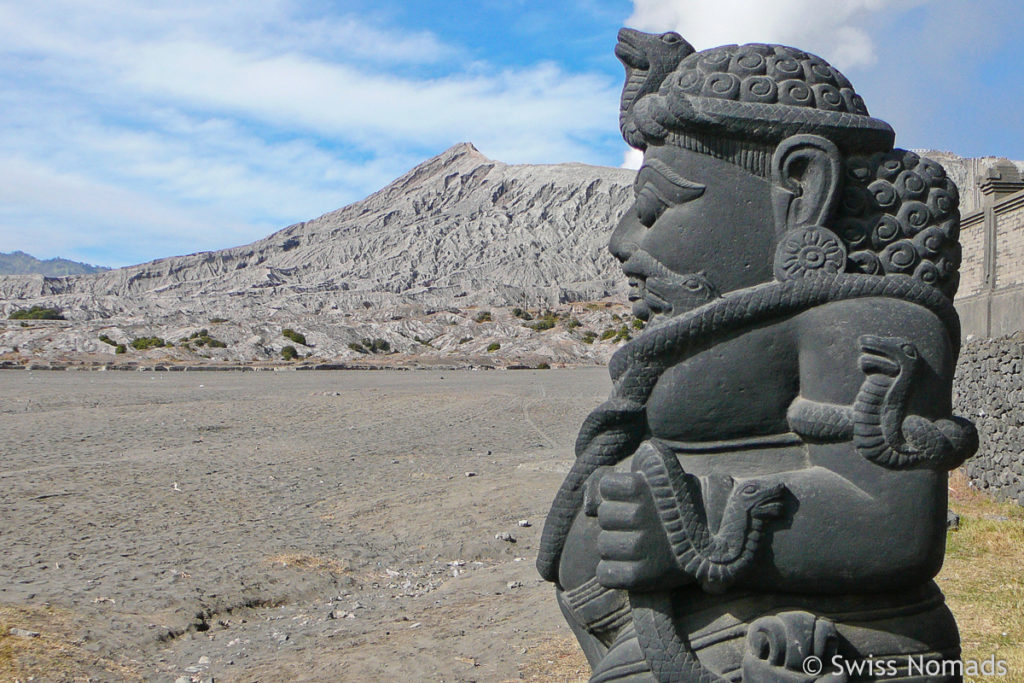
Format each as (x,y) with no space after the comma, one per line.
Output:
(766,486)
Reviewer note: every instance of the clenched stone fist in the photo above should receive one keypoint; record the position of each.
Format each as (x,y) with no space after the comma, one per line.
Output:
(634,549)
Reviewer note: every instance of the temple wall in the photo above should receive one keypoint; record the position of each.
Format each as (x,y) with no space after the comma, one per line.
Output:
(991,295)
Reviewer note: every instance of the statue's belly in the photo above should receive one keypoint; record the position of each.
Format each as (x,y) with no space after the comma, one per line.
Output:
(736,389)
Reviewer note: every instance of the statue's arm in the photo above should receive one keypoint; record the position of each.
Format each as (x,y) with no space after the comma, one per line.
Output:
(848,523)
(859,520)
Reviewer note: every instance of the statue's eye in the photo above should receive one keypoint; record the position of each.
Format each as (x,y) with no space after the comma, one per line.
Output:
(749,489)
(910,350)
(648,206)
(671,38)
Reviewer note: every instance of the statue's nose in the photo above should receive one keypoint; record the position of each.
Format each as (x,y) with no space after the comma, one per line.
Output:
(625,239)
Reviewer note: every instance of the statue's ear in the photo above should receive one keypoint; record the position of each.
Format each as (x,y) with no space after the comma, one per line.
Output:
(805,181)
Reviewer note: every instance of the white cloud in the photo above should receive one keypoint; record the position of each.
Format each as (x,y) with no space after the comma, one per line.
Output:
(632,159)
(834,30)
(145,130)
(342,100)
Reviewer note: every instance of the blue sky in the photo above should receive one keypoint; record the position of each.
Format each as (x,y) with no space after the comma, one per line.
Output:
(131,131)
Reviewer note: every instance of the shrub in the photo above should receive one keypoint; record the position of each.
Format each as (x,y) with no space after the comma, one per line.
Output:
(573,324)
(638,324)
(296,337)
(465,339)
(520,313)
(107,340)
(493,346)
(376,345)
(143,343)
(215,321)
(203,338)
(36,313)
(289,352)
(483,317)
(543,366)
(422,341)
(623,334)
(357,347)
(546,322)
(608,334)
(121,348)
(589,337)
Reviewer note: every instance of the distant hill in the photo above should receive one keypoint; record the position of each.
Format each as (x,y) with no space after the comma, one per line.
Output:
(436,264)
(20,263)
(458,230)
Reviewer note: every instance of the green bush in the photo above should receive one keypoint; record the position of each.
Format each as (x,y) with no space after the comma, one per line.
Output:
(121,348)
(374,345)
(543,366)
(520,313)
(493,346)
(143,343)
(608,334)
(107,340)
(289,353)
(589,337)
(36,313)
(296,337)
(202,338)
(546,322)
(573,324)
(483,317)
(623,334)
(465,339)
(215,321)
(357,347)
(638,324)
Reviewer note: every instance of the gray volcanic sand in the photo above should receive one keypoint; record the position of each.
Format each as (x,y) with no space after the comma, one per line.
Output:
(288,525)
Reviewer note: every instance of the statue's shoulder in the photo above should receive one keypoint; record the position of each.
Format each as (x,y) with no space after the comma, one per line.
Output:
(830,344)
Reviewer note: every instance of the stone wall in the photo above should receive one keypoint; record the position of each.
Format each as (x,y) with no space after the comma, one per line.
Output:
(991,295)
(989,390)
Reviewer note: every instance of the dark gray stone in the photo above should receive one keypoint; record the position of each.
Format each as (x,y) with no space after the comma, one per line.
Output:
(952,521)
(989,387)
(768,480)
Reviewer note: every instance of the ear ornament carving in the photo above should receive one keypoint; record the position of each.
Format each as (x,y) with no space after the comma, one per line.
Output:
(809,251)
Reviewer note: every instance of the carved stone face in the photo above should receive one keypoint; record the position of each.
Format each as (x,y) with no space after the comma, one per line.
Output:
(700,227)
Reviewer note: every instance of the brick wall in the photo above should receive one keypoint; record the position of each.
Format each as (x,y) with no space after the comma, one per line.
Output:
(1009,215)
(972,269)
(991,294)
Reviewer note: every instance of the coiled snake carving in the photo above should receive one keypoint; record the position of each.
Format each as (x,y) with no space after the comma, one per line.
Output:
(878,423)
(713,560)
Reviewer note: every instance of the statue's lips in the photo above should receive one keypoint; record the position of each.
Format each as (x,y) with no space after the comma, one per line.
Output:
(638,268)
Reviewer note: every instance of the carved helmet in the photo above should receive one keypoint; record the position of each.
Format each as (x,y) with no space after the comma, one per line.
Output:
(898,211)
(753,94)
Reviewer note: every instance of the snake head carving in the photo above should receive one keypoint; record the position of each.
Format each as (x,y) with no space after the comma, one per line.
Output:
(648,58)
(761,499)
(891,356)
